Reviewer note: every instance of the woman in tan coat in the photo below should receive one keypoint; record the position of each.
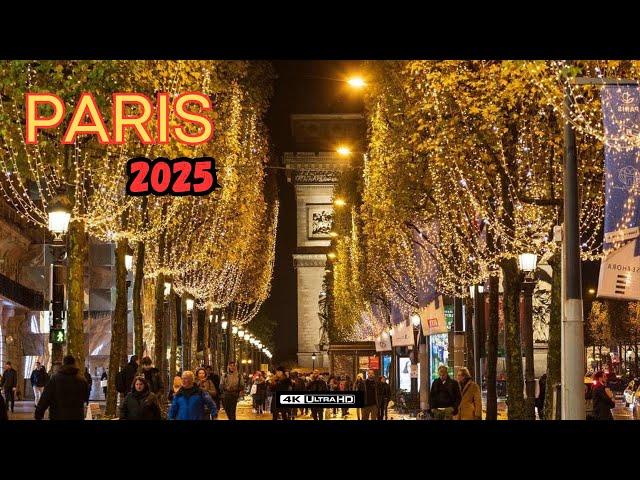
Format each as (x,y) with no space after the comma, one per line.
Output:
(471,403)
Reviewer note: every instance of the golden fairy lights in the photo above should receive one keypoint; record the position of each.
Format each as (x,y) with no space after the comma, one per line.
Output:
(219,248)
(462,152)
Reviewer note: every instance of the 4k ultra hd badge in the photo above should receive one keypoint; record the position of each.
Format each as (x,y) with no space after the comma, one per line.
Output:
(320,400)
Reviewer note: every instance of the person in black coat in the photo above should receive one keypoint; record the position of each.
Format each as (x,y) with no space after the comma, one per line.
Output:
(130,372)
(445,396)
(3,409)
(65,394)
(602,398)
(9,383)
(384,395)
(141,403)
(281,384)
(542,383)
(87,377)
(152,375)
(316,385)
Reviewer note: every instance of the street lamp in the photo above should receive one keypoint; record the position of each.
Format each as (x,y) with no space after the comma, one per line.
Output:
(167,289)
(331,255)
(313,360)
(339,202)
(234,331)
(59,216)
(343,151)
(415,321)
(356,82)
(224,324)
(528,262)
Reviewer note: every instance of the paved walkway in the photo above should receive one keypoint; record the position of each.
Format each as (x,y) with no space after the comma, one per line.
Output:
(24,411)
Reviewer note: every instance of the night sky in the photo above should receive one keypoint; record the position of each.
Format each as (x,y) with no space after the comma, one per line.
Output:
(316,87)
(301,87)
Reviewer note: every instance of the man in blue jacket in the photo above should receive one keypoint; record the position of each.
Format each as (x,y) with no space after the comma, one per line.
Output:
(189,402)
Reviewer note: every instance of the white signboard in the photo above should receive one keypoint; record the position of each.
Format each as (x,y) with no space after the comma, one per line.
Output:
(402,334)
(620,274)
(383,342)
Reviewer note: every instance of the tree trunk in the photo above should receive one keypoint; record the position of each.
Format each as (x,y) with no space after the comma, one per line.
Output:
(469,333)
(186,338)
(205,337)
(194,338)
(138,281)
(492,349)
(173,319)
(159,324)
(555,327)
(117,353)
(75,272)
(513,348)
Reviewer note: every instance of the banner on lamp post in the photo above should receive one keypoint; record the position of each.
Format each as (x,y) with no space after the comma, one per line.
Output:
(402,329)
(432,317)
(620,269)
(383,342)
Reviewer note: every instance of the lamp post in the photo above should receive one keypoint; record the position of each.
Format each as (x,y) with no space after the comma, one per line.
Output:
(225,358)
(189,304)
(476,292)
(313,361)
(59,215)
(528,262)
(415,321)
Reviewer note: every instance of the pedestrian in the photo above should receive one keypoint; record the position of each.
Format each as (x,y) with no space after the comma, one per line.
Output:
(131,372)
(358,386)
(542,391)
(297,385)
(370,408)
(215,378)
(152,375)
(384,395)
(231,387)
(444,396)
(204,382)
(65,394)
(261,393)
(140,403)
(9,384)
(104,382)
(334,386)
(3,409)
(39,379)
(175,386)
(270,381)
(190,402)
(343,386)
(282,383)
(602,398)
(317,384)
(470,397)
(87,377)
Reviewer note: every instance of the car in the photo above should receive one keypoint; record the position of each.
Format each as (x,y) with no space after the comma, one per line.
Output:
(632,392)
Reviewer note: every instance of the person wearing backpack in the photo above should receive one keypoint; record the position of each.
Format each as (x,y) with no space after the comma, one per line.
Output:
(191,401)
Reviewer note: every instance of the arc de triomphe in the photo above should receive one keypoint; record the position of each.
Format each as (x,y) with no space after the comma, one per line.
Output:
(313,169)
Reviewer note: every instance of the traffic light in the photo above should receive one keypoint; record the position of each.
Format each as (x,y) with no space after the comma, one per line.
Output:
(56,335)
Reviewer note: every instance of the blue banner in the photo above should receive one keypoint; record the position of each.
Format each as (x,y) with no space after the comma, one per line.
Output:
(621,117)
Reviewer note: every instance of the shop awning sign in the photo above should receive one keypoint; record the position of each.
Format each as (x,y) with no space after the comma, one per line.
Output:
(620,273)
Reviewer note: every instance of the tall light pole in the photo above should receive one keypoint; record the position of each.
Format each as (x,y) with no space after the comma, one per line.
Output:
(476,292)
(528,263)
(225,356)
(189,303)
(572,364)
(415,321)
(59,215)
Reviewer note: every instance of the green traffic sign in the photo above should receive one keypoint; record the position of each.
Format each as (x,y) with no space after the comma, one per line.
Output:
(56,335)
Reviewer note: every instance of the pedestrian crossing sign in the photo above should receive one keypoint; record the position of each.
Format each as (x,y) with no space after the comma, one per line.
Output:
(56,335)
